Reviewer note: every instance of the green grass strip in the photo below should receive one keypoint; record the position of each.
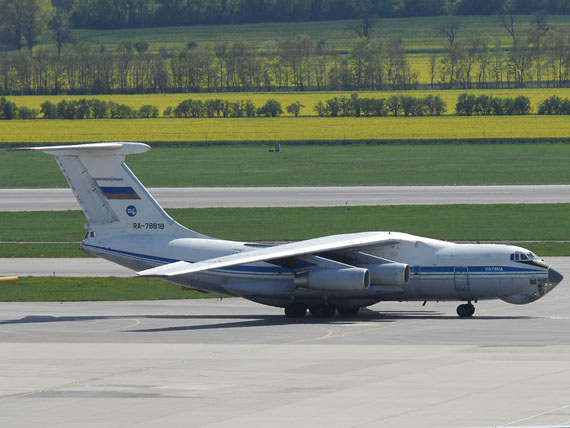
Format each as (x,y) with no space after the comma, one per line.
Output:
(546,249)
(517,222)
(319,165)
(48,250)
(37,289)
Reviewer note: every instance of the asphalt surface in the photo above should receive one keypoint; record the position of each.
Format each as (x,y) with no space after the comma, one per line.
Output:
(231,363)
(63,199)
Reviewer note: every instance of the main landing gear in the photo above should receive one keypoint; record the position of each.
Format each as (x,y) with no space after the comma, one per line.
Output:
(322,310)
(295,310)
(466,310)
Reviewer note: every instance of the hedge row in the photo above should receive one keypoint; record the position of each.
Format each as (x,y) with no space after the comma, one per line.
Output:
(221,108)
(353,106)
(484,105)
(554,105)
(396,105)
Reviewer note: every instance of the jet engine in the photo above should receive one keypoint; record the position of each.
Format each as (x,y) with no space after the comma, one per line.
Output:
(392,273)
(345,279)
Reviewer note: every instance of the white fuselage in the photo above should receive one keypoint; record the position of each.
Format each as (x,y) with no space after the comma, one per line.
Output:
(439,270)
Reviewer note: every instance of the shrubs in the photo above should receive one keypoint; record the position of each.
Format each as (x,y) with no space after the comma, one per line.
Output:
(484,105)
(354,106)
(343,106)
(8,109)
(554,105)
(94,109)
(221,108)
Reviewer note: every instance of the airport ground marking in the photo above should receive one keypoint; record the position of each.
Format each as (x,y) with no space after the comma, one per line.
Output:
(534,416)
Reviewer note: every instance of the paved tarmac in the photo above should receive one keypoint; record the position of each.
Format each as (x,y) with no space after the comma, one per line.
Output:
(62,199)
(231,363)
(73,267)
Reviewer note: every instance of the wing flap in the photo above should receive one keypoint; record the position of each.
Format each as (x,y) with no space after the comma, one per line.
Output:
(310,246)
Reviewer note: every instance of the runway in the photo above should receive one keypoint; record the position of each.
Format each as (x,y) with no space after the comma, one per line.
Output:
(231,363)
(65,267)
(62,199)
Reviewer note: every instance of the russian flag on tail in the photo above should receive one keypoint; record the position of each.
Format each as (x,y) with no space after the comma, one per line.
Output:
(120,193)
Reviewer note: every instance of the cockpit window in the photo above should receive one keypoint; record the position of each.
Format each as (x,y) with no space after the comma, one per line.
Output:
(518,256)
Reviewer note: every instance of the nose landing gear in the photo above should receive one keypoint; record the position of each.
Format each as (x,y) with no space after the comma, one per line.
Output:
(465,310)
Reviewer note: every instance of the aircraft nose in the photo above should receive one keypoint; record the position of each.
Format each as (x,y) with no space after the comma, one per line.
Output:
(554,277)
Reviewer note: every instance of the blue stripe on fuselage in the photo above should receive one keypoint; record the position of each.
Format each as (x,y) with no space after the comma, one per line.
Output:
(257,270)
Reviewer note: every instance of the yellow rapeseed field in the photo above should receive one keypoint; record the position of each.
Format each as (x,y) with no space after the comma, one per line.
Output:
(308,99)
(285,128)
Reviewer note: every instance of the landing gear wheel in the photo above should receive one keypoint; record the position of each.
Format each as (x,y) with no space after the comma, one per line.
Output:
(350,310)
(295,310)
(465,310)
(322,311)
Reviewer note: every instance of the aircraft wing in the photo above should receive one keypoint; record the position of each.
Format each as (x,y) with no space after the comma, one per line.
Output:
(310,246)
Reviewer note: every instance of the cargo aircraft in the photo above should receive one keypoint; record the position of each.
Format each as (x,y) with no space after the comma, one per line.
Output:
(323,275)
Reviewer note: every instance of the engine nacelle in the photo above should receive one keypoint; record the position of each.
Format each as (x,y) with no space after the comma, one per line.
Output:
(392,273)
(346,279)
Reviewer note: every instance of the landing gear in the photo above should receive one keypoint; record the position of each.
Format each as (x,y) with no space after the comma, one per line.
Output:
(348,310)
(295,310)
(465,310)
(322,311)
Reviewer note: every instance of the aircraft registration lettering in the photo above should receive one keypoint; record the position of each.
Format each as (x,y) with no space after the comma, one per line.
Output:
(148,226)
(494,269)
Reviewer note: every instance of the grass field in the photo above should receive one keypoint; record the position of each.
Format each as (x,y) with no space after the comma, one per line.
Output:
(308,99)
(418,33)
(30,289)
(493,223)
(41,250)
(306,129)
(318,165)
(525,222)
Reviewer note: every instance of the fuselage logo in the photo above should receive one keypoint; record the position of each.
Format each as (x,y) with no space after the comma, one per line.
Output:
(131,211)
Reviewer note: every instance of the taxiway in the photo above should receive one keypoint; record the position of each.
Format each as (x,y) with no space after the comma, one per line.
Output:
(231,363)
(226,197)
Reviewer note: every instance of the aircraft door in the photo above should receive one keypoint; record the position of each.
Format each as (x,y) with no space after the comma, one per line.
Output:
(461,277)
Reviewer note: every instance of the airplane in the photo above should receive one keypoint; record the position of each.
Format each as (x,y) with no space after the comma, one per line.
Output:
(337,273)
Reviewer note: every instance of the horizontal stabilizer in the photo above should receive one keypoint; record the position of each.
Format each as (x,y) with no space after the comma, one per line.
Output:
(95,148)
(310,246)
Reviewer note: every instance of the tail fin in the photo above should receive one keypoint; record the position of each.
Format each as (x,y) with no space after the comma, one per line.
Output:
(111,197)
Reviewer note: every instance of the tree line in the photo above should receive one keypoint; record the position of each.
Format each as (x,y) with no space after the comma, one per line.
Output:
(396,105)
(352,106)
(145,13)
(299,63)
(294,63)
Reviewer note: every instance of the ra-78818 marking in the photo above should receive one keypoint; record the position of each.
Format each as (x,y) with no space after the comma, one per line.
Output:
(149,226)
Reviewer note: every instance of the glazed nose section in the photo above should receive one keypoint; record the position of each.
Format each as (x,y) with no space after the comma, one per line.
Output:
(554,277)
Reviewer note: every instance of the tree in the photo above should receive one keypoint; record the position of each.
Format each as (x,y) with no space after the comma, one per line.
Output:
(13,12)
(141,47)
(8,110)
(448,28)
(48,109)
(367,16)
(62,34)
(271,108)
(294,108)
(35,19)
(536,38)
